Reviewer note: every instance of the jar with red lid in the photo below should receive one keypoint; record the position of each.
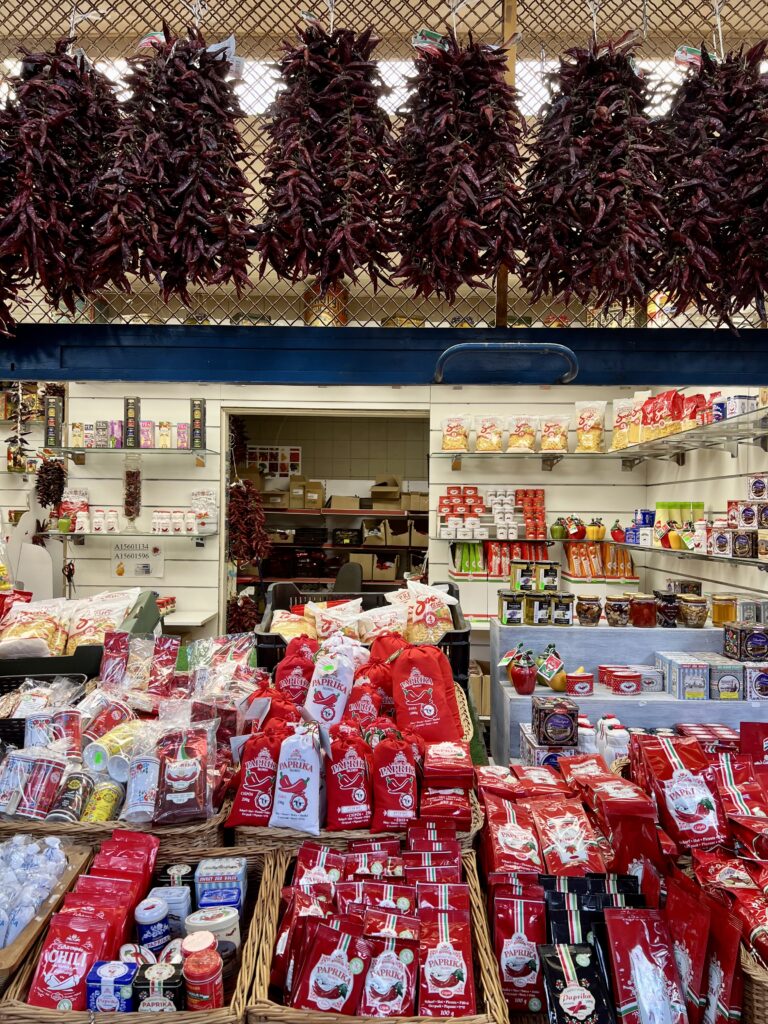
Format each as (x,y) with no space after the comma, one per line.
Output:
(642,610)
(203,980)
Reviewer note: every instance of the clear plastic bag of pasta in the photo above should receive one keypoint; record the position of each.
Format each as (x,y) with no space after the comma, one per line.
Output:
(522,433)
(489,434)
(456,433)
(590,426)
(554,433)
(622,419)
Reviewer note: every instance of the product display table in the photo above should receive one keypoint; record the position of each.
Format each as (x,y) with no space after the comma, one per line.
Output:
(593,646)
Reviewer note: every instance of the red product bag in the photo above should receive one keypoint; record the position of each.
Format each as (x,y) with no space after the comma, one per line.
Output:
(566,838)
(400,899)
(333,972)
(258,773)
(687,808)
(293,676)
(645,982)
(751,908)
(73,944)
(378,674)
(302,647)
(519,927)
(688,922)
(380,729)
(447,805)
(510,839)
(420,694)
(442,875)
(390,984)
(316,863)
(364,704)
(395,791)
(446,976)
(723,980)
(384,646)
(349,791)
(384,924)
(449,764)
(738,788)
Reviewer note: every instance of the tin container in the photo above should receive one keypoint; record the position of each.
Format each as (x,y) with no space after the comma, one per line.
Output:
(40,788)
(114,713)
(224,922)
(72,798)
(153,928)
(579,685)
(109,987)
(37,729)
(198,942)
(204,981)
(159,988)
(104,802)
(178,899)
(67,728)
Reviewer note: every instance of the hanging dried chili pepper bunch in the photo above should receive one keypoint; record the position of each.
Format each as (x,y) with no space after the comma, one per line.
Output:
(175,200)
(458,168)
(10,278)
(50,482)
(248,540)
(243,614)
(593,201)
(328,190)
(58,127)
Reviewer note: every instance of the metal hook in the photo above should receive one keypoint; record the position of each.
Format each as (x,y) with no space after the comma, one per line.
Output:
(717,31)
(594,7)
(198,9)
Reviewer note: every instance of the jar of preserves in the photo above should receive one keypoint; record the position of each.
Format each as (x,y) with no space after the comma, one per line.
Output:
(562,609)
(588,609)
(666,609)
(693,611)
(537,609)
(642,610)
(724,609)
(617,611)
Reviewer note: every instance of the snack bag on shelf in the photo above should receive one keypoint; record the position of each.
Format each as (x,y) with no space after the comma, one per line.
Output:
(554,433)
(446,973)
(522,433)
(669,412)
(636,417)
(456,433)
(291,626)
(390,618)
(622,418)
(590,426)
(297,792)
(341,618)
(489,434)
(649,427)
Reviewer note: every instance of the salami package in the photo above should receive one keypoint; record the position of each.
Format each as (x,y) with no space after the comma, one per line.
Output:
(297,792)
(364,704)
(446,974)
(258,774)
(645,980)
(512,843)
(688,921)
(293,676)
(330,687)
(574,985)
(333,972)
(395,793)
(423,694)
(390,984)
(519,928)
(349,789)
(566,838)
(687,808)
(72,945)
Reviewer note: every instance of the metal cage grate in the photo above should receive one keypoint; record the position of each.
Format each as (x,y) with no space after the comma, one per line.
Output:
(548,27)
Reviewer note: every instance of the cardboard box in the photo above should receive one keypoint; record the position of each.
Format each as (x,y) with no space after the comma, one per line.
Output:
(365,560)
(419,501)
(314,494)
(532,753)
(476,686)
(385,568)
(385,493)
(281,536)
(397,533)
(419,539)
(296,489)
(275,499)
(347,501)
(374,534)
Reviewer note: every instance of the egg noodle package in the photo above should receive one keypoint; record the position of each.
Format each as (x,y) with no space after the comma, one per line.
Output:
(590,426)
(456,430)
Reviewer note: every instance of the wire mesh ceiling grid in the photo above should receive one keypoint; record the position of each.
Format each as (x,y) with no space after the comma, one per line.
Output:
(111,30)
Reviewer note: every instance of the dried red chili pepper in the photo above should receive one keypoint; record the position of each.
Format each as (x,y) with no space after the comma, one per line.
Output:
(593,201)
(248,540)
(328,192)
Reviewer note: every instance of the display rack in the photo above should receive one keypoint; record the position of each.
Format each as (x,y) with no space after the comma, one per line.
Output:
(355,513)
(80,538)
(722,559)
(78,455)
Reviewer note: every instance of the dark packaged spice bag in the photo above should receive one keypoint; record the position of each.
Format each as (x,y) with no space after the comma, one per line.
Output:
(574,986)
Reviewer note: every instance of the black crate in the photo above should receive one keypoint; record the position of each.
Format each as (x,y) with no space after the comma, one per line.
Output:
(12,729)
(270,648)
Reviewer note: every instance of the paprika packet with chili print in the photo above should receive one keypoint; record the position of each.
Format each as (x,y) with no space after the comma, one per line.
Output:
(519,927)
(317,863)
(574,985)
(646,985)
(421,695)
(723,979)
(348,786)
(258,774)
(302,647)
(300,905)
(297,790)
(329,689)
(390,984)
(333,972)
(687,808)
(688,921)
(185,756)
(395,790)
(446,974)
(293,676)
(510,841)
(717,871)
(363,704)
(396,897)
(73,943)
(389,924)
(566,838)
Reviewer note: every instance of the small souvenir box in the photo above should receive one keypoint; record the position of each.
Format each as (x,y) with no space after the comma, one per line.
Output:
(555,721)
(534,754)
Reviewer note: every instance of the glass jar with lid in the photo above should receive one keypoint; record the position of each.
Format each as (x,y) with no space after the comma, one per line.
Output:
(617,611)
(588,609)
(666,609)
(537,609)
(693,611)
(724,609)
(642,610)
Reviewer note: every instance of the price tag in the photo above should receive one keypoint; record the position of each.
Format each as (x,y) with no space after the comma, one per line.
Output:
(511,655)
(549,669)
(687,55)
(425,37)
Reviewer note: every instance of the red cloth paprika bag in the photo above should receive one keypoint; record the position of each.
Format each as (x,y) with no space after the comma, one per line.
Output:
(419,690)
(349,792)
(378,674)
(293,676)
(258,772)
(395,792)
(364,704)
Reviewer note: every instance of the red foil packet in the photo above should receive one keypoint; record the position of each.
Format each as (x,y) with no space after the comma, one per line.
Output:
(390,984)
(688,921)
(520,927)
(574,986)
(566,838)
(645,980)
(333,972)
(446,974)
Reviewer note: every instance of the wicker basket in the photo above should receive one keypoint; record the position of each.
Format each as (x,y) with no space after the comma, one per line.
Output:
(192,836)
(289,839)
(14,1010)
(755,1006)
(261,1008)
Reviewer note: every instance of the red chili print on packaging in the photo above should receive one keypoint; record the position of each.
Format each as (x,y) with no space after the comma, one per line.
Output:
(349,791)
(71,946)
(446,977)
(297,793)
(330,688)
(686,805)
(645,981)
(316,863)
(390,984)
(333,972)
(566,839)
(293,676)
(511,843)
(519,927)
(419,690)
(258,772)
(395,791)
(364,704)
(688,921)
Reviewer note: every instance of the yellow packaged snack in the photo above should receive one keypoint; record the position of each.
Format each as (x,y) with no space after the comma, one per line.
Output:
(554,433)
(590,426)
(623,409)
(522,433)
(288,625)
(456,433)
(489,434)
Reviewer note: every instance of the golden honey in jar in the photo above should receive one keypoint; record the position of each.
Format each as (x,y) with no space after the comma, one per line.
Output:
(724,609)
(617,611)
(588,609)
(693,611)
(642,611)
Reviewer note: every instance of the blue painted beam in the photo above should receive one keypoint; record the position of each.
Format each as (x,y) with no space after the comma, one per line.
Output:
(377,355)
